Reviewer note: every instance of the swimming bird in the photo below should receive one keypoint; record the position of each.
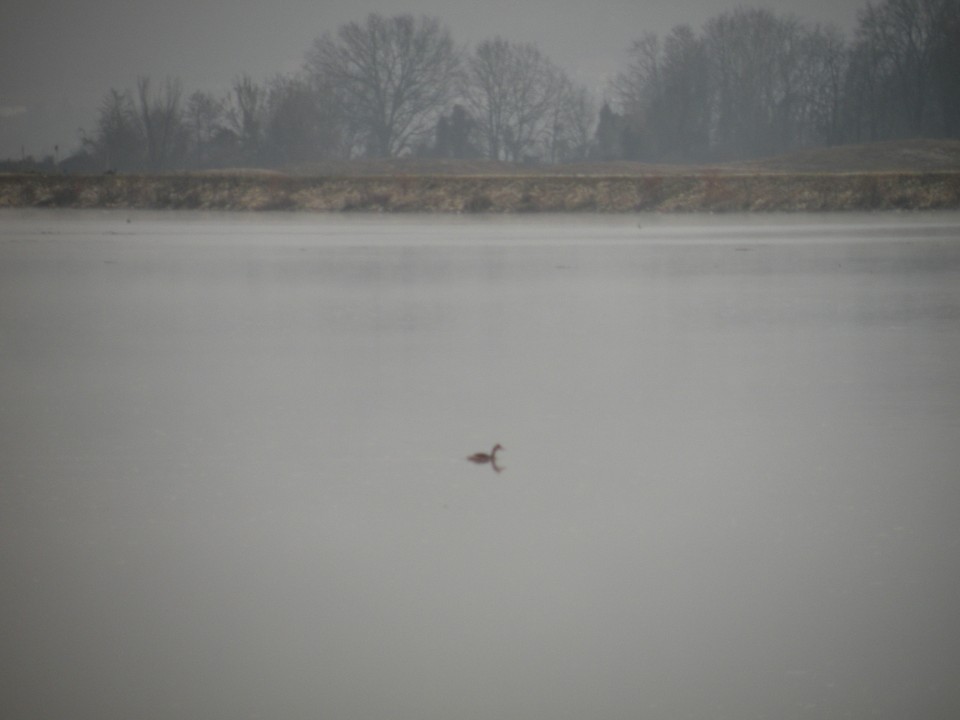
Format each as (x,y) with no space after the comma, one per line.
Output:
(481,458)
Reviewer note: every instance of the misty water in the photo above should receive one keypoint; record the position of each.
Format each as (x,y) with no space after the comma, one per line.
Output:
(234,482)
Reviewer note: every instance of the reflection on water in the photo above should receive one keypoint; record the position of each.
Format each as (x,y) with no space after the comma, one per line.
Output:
(234,482)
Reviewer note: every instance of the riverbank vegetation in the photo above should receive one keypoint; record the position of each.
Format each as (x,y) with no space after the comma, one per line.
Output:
(670,192)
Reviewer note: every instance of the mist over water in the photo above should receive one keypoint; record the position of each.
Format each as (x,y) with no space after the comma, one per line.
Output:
(234,482)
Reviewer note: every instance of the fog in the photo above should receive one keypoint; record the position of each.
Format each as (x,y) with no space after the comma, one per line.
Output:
(58,59)
(235,483)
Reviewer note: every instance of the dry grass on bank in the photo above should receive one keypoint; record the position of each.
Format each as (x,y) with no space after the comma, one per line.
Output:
(707,192)
(896,156)
(915,175)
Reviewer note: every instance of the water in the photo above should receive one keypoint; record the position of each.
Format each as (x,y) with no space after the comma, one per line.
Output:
(234,482)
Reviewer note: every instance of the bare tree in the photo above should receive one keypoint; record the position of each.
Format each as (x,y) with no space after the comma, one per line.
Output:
(687,95)
(117,142)
(750,83)
(753,68)
(161,122)
(486,89)
(511,90)
(635,89)
(302,122)
(670,96)
(204,117)
(906,40)
(946,71)
(572,119)
(246,113)
(393,76)
(822,86)
(609,134)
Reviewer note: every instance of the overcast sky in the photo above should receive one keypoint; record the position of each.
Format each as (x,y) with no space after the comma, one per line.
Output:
(59,57)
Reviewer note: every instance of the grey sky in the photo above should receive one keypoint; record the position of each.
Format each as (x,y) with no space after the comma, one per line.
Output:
(59,57)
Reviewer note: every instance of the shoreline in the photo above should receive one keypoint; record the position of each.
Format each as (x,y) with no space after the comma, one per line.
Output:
(670,193)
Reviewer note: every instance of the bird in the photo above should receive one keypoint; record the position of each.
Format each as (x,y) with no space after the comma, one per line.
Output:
(482,458)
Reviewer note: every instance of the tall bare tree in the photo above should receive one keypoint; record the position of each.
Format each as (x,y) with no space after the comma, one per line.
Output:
(826,60)
(203,117)
(754,72)
(393,76)
(666,93)
(571,122)
(511,90)
(247,113)
(636,88)
(302,123)
(905,40)
(161,122)
(946,74)
(117,143)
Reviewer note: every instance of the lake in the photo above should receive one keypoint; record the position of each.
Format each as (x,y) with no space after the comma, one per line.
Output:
(234,482)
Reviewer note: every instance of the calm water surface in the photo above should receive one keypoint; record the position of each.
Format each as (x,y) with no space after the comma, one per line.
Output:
(233,478)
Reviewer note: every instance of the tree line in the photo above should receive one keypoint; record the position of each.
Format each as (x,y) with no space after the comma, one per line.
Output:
(753,83)
(749,83)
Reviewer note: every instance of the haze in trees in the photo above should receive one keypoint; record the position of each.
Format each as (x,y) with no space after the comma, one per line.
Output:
(749,83)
